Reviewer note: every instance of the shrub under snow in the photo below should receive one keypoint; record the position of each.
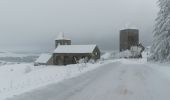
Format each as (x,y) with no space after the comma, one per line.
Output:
(28,69)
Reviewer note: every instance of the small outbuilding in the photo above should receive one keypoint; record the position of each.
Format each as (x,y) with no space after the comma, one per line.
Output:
(71,54)
(44,59)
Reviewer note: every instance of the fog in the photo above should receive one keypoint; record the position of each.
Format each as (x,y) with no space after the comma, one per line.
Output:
(33,25)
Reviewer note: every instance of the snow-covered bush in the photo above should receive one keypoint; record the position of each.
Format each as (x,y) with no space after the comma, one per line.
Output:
(124,54)
(82,62)
(109,55)
(92,61)
(28,69)
(106,56)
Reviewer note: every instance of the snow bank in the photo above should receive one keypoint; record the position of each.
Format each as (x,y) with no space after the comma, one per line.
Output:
(124,54)
(109,55)
(19,78)
(163,68)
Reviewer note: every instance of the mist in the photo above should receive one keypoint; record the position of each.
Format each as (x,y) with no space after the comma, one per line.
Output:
(33,25)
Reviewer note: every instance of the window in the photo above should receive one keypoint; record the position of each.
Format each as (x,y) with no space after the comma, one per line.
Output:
(96,53)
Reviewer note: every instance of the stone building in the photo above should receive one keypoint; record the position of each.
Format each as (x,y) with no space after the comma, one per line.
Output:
(71,54)
(65,53)
(128,38)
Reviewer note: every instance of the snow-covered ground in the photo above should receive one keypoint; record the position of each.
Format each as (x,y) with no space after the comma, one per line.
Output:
(122,79)
(17,79)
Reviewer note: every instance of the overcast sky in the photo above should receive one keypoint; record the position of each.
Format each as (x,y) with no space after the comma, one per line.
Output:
(34,24)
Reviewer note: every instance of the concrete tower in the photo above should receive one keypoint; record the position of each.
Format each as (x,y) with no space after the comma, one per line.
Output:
(128,38)
(61,40)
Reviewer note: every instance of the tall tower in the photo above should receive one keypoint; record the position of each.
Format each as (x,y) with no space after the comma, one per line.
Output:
(61,40)
(128,38)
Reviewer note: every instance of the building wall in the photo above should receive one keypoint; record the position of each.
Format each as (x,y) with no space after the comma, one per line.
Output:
(50,61)
(62,42)
(96,53)
(128,38)
(69,58)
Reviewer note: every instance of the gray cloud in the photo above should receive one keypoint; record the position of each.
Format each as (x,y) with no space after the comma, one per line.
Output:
(34,24)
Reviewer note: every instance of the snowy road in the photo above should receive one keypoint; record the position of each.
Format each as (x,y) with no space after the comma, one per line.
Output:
(115,81)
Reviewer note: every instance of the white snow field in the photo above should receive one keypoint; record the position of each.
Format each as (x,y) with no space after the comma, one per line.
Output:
(119,79)
(16,79)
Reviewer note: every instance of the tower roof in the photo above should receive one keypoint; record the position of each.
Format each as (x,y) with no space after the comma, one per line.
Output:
(61,36)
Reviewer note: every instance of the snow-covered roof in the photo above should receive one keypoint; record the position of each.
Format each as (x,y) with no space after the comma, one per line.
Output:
(61,37)
(75,49)
(129,26)
(43,58)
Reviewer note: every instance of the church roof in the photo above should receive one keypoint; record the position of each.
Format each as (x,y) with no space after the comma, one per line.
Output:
(61,37)
(75,49)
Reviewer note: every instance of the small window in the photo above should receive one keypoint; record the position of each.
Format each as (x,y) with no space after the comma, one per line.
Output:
(96,53)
